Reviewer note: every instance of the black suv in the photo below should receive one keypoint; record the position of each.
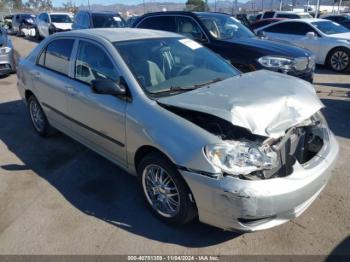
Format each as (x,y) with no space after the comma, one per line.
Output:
(233,41)
(97,19)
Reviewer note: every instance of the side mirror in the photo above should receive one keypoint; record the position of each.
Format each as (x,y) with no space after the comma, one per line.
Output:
(107,87)
(261,34)
(201,38)
(310,35)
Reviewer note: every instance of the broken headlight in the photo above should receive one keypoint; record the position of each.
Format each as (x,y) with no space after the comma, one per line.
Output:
(241,158)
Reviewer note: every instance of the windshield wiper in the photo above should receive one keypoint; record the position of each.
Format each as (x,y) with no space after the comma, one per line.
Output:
(174,89)
(218,79)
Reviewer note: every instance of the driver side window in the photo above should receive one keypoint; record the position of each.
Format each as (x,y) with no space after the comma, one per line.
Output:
(188,27)
(93,63)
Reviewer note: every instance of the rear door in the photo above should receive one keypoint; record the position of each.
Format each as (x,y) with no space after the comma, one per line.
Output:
(51,78)
(98,120)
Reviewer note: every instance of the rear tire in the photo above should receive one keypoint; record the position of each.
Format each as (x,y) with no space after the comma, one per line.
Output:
(168,196)
(38,118)
(339,59)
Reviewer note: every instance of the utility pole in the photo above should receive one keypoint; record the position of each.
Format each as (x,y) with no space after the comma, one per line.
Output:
(339,5)
(89,4)
(281,3)
(317,8)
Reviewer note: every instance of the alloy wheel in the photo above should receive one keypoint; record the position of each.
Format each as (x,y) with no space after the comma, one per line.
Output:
(339,60)
(37,115)
(161,191)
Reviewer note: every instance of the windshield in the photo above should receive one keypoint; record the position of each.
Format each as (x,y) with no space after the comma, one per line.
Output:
(224,27)
(107,21)
(172,65)
(330,28)
(61,19)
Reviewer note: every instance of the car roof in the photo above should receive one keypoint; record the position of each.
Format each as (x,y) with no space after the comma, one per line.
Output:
(58,13)
(120,34)
(306,20)
(99,12)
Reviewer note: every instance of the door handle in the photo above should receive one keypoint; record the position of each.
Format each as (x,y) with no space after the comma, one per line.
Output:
(36,75)
(72,91)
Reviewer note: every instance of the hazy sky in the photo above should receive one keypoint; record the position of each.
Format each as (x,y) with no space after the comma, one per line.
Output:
(105,2)
(108,2)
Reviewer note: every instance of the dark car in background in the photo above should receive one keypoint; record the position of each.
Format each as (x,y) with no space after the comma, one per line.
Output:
(97,19)
(227,37)
(20,21)
(260,23)
(342,19)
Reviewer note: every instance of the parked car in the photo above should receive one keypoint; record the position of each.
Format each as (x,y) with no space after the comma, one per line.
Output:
(328,40)
(7,60)
(229,38)
(20,21)
(240,151)
(342,19)
(131,20)
(51,22)
(263,22)
(97,19)
(7,22)
(284,14)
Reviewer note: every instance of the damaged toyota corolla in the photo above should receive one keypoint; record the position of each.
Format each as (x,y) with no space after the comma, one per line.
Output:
(240,151)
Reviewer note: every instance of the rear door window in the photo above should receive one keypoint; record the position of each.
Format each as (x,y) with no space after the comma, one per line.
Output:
(290,28)
(57,55)
(166,23)
(268,15)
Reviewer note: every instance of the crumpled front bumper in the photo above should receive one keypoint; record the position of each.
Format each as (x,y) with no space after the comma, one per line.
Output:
(235,204)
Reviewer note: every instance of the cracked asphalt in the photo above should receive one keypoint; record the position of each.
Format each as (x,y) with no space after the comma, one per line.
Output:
(58,197)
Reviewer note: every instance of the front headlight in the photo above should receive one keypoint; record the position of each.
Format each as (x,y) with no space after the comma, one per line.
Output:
(276,62)
(5,50)
(243,158)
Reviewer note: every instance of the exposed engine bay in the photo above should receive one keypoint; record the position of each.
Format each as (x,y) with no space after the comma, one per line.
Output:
(300,143)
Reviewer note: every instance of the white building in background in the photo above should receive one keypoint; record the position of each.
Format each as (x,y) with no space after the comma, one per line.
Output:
(323,8)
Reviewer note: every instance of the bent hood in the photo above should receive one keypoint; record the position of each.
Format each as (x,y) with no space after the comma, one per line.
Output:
(264,102)
(63,26)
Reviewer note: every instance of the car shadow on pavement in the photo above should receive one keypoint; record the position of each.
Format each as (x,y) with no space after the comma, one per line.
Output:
(92,184)
(341,252)
(337,113)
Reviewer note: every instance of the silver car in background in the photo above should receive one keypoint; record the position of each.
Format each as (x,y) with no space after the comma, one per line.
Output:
(7,59)
(241,152)
(329,41)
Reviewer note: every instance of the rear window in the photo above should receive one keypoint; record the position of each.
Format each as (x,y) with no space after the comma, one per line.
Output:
(107,21)
(56,56)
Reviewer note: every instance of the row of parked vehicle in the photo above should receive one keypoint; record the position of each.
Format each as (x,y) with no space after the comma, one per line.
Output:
(287,42)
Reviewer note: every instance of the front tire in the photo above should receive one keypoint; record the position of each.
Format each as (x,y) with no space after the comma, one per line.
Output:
(39,120)
(339,59)
(165,191)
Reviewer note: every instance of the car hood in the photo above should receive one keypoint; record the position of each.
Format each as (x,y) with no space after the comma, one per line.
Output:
(63,26)
(272,47)
(266,103)
(345,36)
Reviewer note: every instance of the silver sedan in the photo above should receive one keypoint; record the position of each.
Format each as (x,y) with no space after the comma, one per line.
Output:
(7,60)
(244,152)
(329,41)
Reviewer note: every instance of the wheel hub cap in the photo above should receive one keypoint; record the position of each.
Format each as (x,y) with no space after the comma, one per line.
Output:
(161,191)
(339,60)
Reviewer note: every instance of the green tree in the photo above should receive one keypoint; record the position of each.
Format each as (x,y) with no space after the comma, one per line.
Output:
(39,4)
(197,5)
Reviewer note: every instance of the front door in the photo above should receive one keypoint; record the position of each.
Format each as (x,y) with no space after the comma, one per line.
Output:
(98,120)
